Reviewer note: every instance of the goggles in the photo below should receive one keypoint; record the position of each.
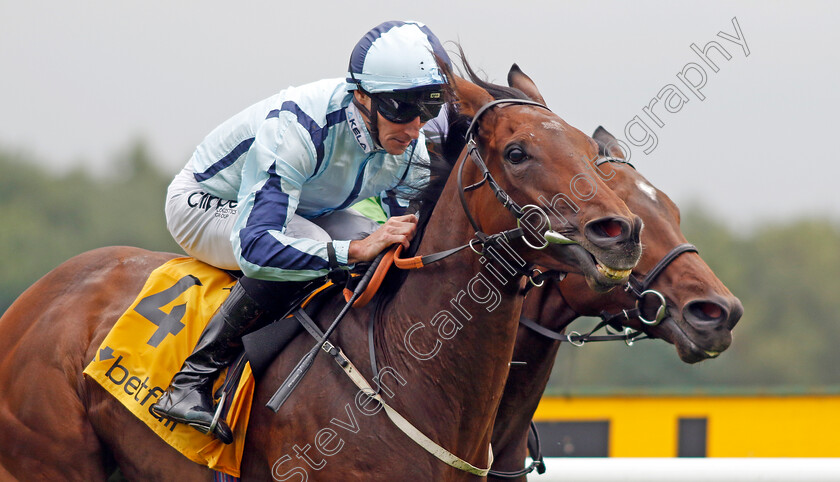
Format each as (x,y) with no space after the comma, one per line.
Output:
(404,107)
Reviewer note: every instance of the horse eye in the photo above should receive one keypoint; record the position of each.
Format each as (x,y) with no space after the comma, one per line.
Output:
(516,154)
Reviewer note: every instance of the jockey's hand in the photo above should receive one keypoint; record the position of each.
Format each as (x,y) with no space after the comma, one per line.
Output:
(396,230)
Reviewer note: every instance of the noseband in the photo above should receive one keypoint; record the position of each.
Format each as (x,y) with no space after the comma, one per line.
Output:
(637,286)
(640,288)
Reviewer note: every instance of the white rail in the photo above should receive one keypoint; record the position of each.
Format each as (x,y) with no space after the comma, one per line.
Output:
(689,470)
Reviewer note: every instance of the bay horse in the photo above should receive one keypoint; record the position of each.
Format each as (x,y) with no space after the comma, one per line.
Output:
(443,338)
(697,317)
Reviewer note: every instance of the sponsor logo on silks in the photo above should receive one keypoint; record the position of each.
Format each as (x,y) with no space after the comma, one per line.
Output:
(206,201)
(355,123)
(435,95)
(120,376)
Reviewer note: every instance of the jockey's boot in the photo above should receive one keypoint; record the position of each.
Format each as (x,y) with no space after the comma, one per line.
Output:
(189,398)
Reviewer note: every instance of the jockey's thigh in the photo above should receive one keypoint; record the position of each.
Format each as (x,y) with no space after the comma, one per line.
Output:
(200,222)
(347,224)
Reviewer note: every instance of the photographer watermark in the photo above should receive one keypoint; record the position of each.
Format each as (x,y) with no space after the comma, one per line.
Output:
(500,264)
(691,79)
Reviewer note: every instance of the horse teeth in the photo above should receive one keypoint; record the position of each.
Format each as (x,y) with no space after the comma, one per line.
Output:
(613,273)
(712,354)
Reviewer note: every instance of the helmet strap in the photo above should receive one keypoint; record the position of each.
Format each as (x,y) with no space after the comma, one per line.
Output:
(372,117)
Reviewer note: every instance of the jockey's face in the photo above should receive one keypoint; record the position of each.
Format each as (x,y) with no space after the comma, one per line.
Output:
(394,138)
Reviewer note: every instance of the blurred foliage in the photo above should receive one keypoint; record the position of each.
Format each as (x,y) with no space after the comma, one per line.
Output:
(48,219)
(786,275)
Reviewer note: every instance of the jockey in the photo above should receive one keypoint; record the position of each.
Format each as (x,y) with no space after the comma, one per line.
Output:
(268,193)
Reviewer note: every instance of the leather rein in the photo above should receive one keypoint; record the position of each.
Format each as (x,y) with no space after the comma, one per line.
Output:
(420,261)
(637,286)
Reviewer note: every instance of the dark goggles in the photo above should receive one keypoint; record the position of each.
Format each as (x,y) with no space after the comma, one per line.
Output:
(404,107)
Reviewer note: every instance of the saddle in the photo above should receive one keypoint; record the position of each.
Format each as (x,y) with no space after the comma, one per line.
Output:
(149,342)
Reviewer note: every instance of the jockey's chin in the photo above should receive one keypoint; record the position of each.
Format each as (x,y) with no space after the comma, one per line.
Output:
(395,138)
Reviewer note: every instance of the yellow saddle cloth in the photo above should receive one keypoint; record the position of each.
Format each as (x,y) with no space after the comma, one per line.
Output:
(150,342)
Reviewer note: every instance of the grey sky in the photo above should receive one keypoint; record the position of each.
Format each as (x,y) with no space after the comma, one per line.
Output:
(81,80)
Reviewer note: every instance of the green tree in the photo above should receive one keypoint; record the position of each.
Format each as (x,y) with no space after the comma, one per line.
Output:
(48,218)
(785,276)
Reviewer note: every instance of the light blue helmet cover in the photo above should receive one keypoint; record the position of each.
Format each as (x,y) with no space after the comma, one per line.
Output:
(394,56)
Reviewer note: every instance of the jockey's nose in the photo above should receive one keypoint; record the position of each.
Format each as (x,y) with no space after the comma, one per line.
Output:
(413,128)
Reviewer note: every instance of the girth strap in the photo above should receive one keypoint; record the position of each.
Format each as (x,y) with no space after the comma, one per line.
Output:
(537,460)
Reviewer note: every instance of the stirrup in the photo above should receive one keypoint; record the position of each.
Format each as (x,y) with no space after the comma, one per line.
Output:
(212,428)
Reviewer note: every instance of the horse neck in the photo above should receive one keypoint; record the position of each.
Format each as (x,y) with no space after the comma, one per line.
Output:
(526,383)
(449,332)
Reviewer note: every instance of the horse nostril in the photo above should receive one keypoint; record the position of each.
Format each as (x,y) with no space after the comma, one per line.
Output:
(608,229)
(711,310)
(611,228)
(706,311)
(735,312)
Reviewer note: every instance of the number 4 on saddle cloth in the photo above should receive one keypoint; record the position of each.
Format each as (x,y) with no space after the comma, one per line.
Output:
(150,341)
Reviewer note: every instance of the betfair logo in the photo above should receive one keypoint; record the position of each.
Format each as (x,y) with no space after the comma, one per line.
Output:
(120,376)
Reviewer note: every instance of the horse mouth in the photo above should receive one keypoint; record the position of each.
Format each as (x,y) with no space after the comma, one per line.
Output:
(599,276)
(611,273)
(688,349)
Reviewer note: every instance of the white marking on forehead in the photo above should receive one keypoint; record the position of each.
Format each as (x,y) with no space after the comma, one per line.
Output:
(647,189)
(553,125)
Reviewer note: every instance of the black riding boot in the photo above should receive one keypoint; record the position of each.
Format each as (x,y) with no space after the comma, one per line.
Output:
(189,397)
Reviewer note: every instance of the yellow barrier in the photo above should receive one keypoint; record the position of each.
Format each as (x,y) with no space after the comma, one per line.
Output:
(736,426)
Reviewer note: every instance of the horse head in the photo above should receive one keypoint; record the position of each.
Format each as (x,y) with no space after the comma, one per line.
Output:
(702,311)
(538,166)
(684,302)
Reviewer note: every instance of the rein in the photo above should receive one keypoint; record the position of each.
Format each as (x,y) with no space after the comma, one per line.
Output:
(638,286)
(487,241)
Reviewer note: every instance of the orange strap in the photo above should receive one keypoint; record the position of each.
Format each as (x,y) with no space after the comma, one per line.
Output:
(375,281)
(312,295)
(390,258)
(407,263)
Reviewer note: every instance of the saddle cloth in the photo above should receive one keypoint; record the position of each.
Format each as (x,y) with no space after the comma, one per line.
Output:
(150,342)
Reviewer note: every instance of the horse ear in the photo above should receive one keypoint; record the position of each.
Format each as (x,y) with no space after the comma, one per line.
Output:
(470,96)
(608,142)
(518,80)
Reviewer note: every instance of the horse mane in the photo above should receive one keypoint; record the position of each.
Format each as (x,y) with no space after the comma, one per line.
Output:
(495,90)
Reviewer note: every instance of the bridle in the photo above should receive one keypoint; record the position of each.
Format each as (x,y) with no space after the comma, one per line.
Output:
(472,151)
(637,286)
(487,241)
(486,177)
(482,238)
